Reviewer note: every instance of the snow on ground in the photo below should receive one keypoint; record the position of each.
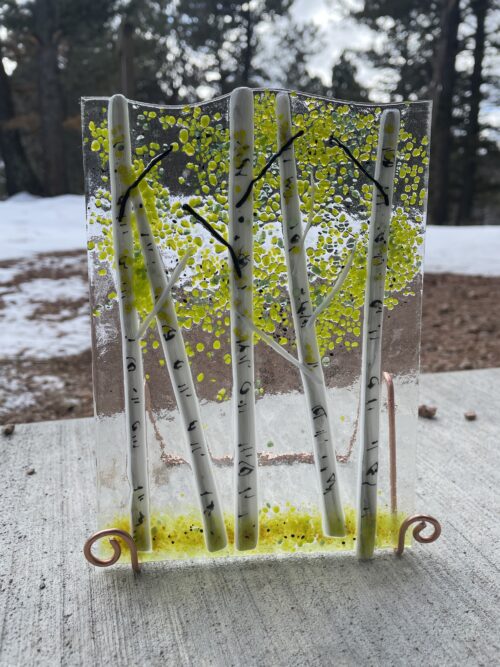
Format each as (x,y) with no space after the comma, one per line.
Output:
(32,328)
(44,309)
(474,251)
(15,395)
(30,225)
(44,320)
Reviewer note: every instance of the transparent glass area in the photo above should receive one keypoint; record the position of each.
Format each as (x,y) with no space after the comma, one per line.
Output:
(336,199)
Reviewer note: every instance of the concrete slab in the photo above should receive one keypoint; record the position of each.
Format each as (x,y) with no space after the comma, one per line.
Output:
(437,605)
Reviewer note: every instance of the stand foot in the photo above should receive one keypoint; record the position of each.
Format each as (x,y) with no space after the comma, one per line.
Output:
(115,532)
(421,520)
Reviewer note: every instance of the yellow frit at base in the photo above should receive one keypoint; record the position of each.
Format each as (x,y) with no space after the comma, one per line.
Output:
(281,530)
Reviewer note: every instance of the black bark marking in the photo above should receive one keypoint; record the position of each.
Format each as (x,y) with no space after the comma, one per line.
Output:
(124,198)
(168,332)
(378,305)
(216,235)
(245,387)
(245,468)
(377,184)
(209,508)
(267,166)
(318,411)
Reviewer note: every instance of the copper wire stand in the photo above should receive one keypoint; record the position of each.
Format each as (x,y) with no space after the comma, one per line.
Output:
(112,533)
(421,520)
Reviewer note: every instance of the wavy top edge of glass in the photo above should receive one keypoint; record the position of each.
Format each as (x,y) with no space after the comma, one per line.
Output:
(426,104)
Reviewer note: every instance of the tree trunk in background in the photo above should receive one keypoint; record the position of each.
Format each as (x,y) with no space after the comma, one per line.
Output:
(19,175)
(480,9)
(442,87)
(126,51)
(248,52)
(50,98)
(224,82)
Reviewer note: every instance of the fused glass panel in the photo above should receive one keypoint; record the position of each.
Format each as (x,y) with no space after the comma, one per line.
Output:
(233,410)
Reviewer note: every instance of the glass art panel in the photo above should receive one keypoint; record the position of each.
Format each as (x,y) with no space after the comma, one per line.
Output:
(255,267)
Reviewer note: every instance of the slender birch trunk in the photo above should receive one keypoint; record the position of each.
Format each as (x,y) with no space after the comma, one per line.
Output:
(241,289)
(371,374)
(181,377)
(184,390)
(133,378)
(307,344)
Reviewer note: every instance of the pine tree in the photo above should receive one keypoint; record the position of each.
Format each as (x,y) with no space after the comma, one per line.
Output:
(296,46)
(51,41)
(222,39)
(442,89)
(406,35)
(419,42)
(19,175)
(46,32)
(471,144)
(345,85)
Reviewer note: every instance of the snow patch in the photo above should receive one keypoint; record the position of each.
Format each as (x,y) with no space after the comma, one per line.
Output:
(26,333)
(473,251)
(31,225)
(48,382)
(14,395)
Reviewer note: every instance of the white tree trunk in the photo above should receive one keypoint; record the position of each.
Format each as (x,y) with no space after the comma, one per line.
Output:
(307,344)
(241,129)
(371,374)
(133,378)
(182,381)
(185,392)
